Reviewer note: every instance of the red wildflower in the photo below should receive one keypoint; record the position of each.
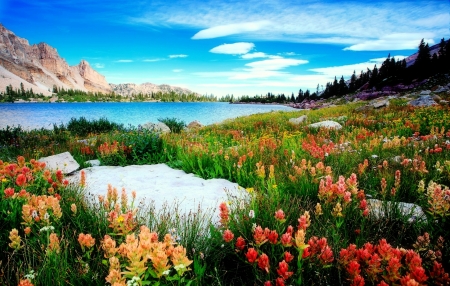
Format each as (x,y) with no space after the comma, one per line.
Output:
(286,239)
(438,274)
(290,229)
(327,255)
(251,255)
(408,281)
(418,274)
(288,257)
(273,237)
(240,243)
(21,180)
(283,270)
(224,214)
(382,283)
(59,176)
(267,283)
(228,235)
(263,262)
(353,268)
(279,282)
(9,192)
(358,281)
(306,253)
(259,235)
(279,215)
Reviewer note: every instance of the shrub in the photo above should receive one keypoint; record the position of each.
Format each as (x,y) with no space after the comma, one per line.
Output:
(175,125)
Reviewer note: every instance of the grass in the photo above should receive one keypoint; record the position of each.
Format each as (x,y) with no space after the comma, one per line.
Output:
(306,220)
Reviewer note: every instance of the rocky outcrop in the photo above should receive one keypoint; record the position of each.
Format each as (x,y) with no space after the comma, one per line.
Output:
(41,67)
(130,89)
(326,124)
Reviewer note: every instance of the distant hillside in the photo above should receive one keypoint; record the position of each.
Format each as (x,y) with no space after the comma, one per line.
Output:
(130,89)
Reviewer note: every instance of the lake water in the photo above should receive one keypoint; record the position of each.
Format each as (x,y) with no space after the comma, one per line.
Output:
(38,115)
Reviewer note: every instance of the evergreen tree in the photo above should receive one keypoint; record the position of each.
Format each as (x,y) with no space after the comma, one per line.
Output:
(421,67)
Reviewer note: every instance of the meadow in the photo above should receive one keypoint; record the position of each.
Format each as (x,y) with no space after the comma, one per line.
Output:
(323,205)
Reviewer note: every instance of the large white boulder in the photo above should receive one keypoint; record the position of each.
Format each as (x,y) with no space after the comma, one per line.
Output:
(298,120)
(63,161)
(159,184)
(326,124)
(156,127)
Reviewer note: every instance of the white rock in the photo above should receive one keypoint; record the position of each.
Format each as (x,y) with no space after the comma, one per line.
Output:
(64,162)
(93,163)
(326,124)
(425,92)
(298,120)
(157,127)
(413,212)
(159,184)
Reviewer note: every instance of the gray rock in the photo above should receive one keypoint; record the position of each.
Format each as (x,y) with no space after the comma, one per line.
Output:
(156,127)
(93,163)
(436,97)
(326,124)
(64,162)
(194,125)
(441,89)
(380,103)
(298,120)
(443,102)
(424,100)
(425,92)
(413,212)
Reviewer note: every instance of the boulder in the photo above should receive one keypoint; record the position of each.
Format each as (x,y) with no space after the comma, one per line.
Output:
(443,102)
(159,186)
(298,120)
(425,92)
(424,100)
(380,103)
(326,124)
(441,89)
(194,125)
(93,163)
(156,127)
(64,162)
(413,212)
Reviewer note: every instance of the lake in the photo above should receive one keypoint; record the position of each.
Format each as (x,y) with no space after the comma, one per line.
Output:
(38,115)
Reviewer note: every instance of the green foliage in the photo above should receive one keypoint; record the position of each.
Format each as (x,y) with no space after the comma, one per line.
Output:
(83,126)
(175,125)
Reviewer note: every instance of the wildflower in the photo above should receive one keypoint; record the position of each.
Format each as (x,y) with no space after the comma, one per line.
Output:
(251,214)
(279,282)
(25,282)
(300,239)
(267,283)
(47,229)
(21,180)
(273,237)
(259,235)
(27,230)
(286,239)
(228,235)
(304,221)
(263,262)
(240,243)
(337,210)
(109,246)
(318,210)
(288,257)
(53,246)
(180,260)
(251,255)
(283,270)
(86,240)
(9,192)
(279,215)
(16,241)
(224,214)
(73,208)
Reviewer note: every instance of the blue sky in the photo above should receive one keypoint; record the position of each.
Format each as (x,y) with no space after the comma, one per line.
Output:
(229,47)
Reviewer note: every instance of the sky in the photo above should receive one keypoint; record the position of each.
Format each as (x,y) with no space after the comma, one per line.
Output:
(229,47)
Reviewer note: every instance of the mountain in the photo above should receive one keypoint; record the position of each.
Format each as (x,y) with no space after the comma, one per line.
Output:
(129,89)
(40,67)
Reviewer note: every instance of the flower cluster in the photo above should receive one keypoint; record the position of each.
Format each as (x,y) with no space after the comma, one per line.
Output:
(41,210)
(143,254)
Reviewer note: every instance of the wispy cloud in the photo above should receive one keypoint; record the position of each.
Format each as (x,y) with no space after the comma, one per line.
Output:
(153,60)
(178,56)
(254,55)
(402,41)
(177,70)
(275,64)
(233,49)
(230,29)
(347,23)
(124,61)
(99,65)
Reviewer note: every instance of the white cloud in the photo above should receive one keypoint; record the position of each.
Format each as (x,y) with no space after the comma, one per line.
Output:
(400,41)
(177,70)
(99,65)
(230,29)
(124,61)
(254,55)
(346,23)
(275,64)
(153,60)
(233,49)
(347,70)
(178,56)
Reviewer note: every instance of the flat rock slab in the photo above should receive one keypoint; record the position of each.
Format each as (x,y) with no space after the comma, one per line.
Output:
(159,184)
(326,124)
(64,162)
(411,211)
